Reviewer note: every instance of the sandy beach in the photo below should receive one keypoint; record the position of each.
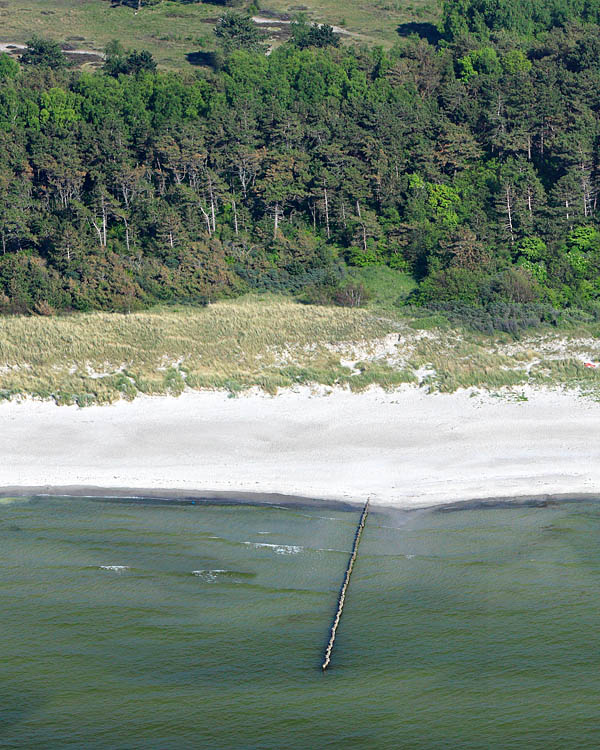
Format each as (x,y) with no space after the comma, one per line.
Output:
(405,448)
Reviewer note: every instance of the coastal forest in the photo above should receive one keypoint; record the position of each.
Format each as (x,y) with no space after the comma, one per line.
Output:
(465,156)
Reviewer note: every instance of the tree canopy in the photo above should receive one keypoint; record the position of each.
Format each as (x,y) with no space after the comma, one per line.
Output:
(45,53)
(473,165)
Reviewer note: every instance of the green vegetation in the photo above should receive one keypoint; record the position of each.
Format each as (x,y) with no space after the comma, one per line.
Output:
(43,52)
(386,287)
(237,31)
(446,182)
(525,19)
(372,22)
(171,30)
(470,167)
(271,342)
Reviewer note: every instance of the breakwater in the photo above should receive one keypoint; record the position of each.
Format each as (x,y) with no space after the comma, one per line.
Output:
(344,588)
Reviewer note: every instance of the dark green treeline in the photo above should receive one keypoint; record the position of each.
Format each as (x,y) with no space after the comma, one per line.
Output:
(471,164)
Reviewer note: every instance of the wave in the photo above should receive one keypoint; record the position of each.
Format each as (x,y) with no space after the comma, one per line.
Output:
(279,549)
(215,574)
(114,568)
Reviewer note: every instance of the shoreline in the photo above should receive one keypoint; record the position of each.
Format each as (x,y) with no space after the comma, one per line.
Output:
(158,496)
(404,449)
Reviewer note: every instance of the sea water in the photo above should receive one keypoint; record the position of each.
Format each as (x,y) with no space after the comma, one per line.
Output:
(127,625)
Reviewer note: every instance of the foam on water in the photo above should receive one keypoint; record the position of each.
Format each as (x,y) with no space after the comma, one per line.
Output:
(216,575)
(210,576)
(279,549)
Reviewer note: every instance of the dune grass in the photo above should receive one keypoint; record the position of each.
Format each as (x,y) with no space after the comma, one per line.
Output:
(100,357)
(272,342)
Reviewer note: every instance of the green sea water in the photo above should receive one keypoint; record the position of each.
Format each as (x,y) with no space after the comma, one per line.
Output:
(127,626)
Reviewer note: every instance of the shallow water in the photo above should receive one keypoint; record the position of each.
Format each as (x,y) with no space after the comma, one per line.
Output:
(155,626)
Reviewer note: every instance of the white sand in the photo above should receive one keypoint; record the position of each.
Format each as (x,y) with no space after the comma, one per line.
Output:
(405,448)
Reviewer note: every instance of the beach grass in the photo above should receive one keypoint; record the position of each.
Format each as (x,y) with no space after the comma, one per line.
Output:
(268,342)
(272,342)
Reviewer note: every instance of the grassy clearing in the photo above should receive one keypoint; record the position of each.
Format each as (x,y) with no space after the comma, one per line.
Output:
(372,21)
(272,343)
(173,30)
(169,30)
(387,287)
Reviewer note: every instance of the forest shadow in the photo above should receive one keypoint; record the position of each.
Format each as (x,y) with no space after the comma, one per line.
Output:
(427,31)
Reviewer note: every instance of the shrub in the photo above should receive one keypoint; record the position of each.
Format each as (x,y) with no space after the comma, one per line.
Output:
(44,52)
(351,295)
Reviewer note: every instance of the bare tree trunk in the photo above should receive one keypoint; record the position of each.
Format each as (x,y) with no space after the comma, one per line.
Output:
(206,219)
(99,230)
(509,210)
(364,229)
(212,204)
(326,212)
(276,223)
(235,220)
(586,192)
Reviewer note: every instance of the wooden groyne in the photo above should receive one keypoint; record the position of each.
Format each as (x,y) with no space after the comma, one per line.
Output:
(345,584)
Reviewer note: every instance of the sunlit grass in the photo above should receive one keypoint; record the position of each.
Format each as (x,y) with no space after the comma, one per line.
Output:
(172,30)
(272,342)
(233,345)
(169,30)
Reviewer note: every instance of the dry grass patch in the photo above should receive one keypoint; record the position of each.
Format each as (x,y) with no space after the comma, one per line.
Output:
(100,357)
(272,342)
